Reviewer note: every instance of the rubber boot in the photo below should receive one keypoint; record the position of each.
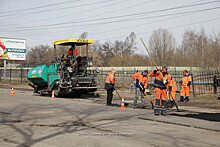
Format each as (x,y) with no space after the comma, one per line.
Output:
(157,107)
(135,103)
(142,100)
(187,99)
(164,107)
(172,103)
(181,98)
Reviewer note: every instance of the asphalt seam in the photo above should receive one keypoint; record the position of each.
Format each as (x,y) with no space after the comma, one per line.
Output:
(178,124)
(14,142)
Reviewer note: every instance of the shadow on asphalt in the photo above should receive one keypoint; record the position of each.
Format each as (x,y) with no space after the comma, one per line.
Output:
(31,117)
(69,96)
(205,116)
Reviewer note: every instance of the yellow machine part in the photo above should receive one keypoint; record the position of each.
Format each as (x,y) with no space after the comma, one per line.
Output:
(72,40)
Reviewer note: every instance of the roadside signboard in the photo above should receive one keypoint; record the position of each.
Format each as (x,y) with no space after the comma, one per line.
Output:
(12,49)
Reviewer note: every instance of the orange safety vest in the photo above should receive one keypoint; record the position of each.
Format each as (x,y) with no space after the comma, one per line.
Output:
(143,80)
(136,75)
(173,84)
(158,83)
(71,52)
(186,79)
(110,78)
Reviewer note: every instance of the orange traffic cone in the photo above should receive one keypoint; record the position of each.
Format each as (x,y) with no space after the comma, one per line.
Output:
(52,98)
(12,91)
(123,103)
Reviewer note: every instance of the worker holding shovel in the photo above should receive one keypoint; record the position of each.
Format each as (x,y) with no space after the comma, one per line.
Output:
(162,78)
(160,85)
(172,91)
(109,86)
(141,85)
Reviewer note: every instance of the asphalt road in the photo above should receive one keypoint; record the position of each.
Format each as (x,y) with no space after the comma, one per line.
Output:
(27,119)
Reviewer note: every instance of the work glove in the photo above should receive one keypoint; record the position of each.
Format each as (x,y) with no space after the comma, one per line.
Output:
(189,83)
(155,71)
(170,88)
(165,82)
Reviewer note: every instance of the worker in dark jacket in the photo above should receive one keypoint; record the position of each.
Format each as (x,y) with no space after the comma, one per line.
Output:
(141,85)
(109,86)
(162,78)
(137,86)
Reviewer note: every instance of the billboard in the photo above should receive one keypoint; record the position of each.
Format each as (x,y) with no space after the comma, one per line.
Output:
(12,49)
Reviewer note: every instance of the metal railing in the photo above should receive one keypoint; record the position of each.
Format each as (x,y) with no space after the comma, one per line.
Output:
(202,82)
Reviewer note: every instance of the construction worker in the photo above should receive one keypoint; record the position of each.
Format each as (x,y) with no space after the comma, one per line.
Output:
(109,86)
(162,78)
(186,82)
(172,91)
(71,51)
(141,85)
(137,86)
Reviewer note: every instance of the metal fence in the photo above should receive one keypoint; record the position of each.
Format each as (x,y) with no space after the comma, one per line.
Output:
(17,74)
(203,83)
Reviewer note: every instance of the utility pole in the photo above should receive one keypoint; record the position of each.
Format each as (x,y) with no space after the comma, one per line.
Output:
(5,70)
(202,53)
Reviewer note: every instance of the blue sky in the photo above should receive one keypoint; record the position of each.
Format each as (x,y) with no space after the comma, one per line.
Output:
(44,21)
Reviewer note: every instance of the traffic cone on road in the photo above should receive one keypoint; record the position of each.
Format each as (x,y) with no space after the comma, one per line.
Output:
(52,98)
(12,91)
(123,103)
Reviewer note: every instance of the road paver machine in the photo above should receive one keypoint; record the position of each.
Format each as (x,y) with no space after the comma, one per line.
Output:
(68,74)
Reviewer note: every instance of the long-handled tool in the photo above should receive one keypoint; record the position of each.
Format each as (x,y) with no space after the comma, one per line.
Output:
(119,96)
(117,93)
(159,72)
(147,96)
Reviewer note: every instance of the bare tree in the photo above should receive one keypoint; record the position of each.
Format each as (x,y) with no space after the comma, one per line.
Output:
(130,44)
(84,35)
(42,54)
(161,44)
(117,52)
(212,52)
(82,49)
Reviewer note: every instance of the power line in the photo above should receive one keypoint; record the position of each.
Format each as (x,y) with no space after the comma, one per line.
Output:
(209,20)
(40,34)
(120,28)
(130,19)
(168,28)
(116,11)
(123,27)
(87,10)
(39,7)
(128,7)
(128,15)
(68,7)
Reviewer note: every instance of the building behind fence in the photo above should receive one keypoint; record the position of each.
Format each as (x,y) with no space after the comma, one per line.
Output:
(206,82)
